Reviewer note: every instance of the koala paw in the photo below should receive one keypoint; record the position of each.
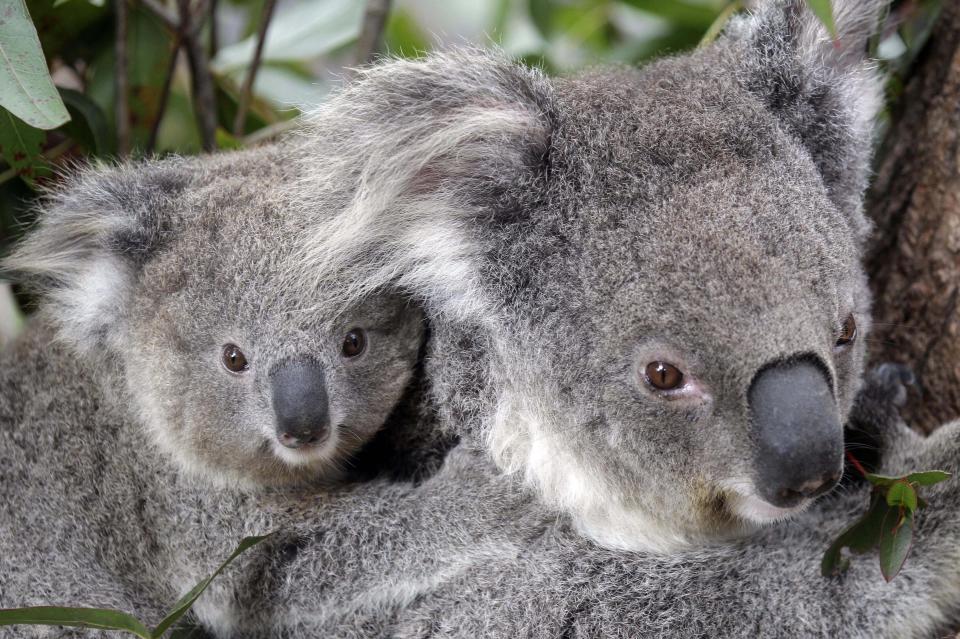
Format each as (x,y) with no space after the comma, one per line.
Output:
(888,382)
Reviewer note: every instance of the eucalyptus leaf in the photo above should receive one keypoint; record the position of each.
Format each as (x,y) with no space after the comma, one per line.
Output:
(96,618)
(928,478)
(89,124)
(183,605)
(26,88)
(895,539)
(21,145)
(901,493)
(678,12)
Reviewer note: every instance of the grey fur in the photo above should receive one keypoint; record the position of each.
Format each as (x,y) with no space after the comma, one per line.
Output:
(122,437)
(703,210)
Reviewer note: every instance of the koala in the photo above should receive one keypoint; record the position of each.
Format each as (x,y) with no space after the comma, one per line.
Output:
(170,276)
(644,285)
(174,372)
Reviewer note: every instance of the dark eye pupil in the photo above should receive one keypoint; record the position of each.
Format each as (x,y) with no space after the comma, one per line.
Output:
(234,359)
(354,343)
(848,332)
(663,376)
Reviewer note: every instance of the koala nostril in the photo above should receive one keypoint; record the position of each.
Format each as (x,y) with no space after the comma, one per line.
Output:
(291,440)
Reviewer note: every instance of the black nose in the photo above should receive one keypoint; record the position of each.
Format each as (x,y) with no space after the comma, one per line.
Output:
(300,403)
(797,430)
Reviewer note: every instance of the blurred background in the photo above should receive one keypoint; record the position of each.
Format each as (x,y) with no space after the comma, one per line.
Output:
(145,77)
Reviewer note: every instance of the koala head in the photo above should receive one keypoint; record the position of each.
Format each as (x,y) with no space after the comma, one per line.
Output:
(646,284)
(177,272)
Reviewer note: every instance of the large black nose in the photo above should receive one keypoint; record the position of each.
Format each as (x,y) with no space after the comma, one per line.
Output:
(796,426)
(300,403)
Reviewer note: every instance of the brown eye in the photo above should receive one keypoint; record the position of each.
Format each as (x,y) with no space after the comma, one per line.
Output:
(663,376)
(234,360)
(848,332)
(354,343)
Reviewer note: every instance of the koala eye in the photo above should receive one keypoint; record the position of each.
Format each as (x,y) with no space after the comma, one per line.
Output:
(848,332)
(354,343)
(663,376)
(234,360)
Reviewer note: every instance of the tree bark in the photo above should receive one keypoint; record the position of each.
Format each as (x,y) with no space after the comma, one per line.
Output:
(914,263)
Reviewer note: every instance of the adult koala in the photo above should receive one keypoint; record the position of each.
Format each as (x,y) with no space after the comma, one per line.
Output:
(645,285)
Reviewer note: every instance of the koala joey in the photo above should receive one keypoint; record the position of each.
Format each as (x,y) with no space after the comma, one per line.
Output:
(172,374)
(645,285)
(172,273)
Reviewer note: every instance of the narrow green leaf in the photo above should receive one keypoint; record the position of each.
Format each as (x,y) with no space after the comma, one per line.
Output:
(860,537)
(26,88)
(928,477)
(97,618)
(823,9)
(880,480)
(720,22)
(895,539)
(181,607)
(901,493)
(21,145)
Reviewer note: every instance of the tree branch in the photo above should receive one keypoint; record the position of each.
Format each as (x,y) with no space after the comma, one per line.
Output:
(244,101)
(165,93)
(371,32)
(204,102)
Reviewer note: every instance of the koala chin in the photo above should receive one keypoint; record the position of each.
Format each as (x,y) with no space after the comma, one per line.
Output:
(173,275)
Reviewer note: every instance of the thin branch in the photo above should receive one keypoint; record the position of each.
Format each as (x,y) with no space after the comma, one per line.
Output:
(244,101)
(371,32)
(214,35)
(121,80)
(49,155)
(204,102)
(165,93)
(269,132)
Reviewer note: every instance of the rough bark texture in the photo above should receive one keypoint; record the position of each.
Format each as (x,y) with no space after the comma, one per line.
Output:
(915,201)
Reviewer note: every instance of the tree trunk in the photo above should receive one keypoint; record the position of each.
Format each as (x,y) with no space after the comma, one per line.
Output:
(914,264)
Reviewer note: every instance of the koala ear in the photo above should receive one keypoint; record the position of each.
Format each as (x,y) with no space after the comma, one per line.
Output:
(91,238)
(411,157)
(824,89)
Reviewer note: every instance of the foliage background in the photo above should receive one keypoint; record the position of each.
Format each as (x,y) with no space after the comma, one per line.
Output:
(309,46)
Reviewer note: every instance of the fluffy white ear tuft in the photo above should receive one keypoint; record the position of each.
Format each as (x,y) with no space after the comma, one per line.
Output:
(405,159)
(90,238)
(824,89)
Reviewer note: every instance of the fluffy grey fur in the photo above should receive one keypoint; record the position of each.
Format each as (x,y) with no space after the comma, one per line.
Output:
(704,210)
(125,445)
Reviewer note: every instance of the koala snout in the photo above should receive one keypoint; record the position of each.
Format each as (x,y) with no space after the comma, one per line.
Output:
(300,403)
(796,426)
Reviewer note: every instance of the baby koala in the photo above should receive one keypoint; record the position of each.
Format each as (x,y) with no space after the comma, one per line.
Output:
(170,276)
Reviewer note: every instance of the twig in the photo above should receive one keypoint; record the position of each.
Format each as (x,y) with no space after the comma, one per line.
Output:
(214,36)
(165,93)
(122,98)
(371,31)
(244,101)
(717,26)
(203,97)
(856,463)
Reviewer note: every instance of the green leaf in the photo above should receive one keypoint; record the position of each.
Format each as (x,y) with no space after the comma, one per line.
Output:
(881,480)
(181,607)
(862,536)
(901,493)
(26,88)
(895,539)
(928,477)
(89,124)
(97,618)
(823,9)
(21,146)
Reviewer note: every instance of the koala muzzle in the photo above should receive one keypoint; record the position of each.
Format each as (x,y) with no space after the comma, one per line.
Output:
(797,432)
(300,403)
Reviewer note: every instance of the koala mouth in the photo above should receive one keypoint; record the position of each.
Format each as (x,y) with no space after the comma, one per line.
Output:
(320,451)
(744,503)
